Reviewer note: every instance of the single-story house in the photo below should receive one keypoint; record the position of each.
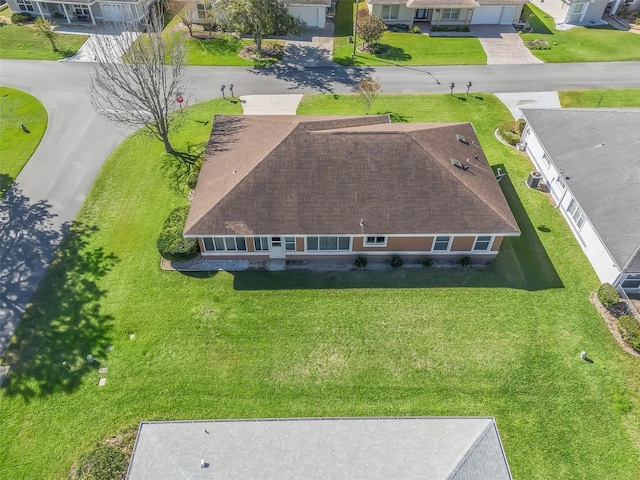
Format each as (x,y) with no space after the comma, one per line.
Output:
(312,12)
(84,11)
(576,12)
(590,163)
(429,448)
(319,187)
(448,12)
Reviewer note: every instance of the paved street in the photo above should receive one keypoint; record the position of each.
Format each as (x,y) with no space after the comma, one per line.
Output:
(50,190)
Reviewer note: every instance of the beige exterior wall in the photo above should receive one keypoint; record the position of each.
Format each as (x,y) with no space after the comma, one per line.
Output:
(462,244)
(464,18)
(405,15)
(497,241)
(299,244)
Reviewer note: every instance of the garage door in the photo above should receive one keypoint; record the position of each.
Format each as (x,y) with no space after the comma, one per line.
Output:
(493,15)
(310,15)
(116,12)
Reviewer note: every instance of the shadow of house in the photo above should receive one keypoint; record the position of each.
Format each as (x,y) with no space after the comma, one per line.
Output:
(64,321)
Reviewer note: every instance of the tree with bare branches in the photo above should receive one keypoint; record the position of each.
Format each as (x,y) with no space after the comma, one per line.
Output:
(368,89)
(137,81)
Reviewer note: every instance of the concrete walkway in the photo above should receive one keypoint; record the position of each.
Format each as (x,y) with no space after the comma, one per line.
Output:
(270,104)
(503,45)
(516,101)
(116,41)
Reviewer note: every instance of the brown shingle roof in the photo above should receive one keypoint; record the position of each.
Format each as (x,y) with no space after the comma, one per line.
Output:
(277,175)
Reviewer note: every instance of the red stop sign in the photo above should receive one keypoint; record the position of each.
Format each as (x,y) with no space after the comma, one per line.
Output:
(179,99)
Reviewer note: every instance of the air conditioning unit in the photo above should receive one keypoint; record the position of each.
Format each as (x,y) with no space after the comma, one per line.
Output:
(522,146)
(534,179)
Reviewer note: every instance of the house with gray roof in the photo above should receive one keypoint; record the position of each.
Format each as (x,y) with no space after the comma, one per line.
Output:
(448,12)
(590,163)
(301,188)
(399,448)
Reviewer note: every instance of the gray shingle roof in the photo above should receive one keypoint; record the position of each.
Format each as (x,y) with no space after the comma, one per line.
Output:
(305,175)
(598,149)
(425,448)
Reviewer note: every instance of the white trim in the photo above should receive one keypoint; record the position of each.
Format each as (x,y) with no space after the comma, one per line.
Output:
(449,243)
(489,245)
(374,244)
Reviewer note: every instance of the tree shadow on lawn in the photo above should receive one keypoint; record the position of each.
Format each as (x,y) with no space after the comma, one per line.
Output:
(391,53)
(63,323)
(522,263)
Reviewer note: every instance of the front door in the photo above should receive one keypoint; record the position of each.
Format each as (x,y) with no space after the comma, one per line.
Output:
(277,248)
(421,14)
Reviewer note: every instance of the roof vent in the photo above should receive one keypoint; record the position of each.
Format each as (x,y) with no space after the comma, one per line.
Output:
(462,139)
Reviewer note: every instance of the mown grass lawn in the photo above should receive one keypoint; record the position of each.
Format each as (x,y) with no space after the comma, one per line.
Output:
(580,44)
(403,48)
(16,147)
(22,41)
(216,49)
(603,98)
(502,341)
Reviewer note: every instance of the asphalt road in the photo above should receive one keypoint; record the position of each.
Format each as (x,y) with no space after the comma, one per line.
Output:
(50,190)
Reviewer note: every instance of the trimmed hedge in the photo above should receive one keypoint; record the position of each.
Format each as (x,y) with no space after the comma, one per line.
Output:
(629,328)
(102,463)
(361,261)
(171,244)
(396,261)
(608,295)
(20,18)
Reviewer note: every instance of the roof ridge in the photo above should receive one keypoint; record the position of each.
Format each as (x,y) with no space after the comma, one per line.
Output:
(244,177)
(356,121)
(456,469)
(459,180)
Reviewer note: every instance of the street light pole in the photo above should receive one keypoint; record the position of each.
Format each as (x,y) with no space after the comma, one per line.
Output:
(355,31)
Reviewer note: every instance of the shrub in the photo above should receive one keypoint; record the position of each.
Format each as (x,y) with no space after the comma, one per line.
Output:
(427,262)
(171,244)
(608,295)
(465,29)
(415,29)
(465,261)
(361,261)
(511,131)
(629,328)
(102,463)
(191,180)
(396,261)
(20,18)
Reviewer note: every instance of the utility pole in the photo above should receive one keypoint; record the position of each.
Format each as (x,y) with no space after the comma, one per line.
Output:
(355,31)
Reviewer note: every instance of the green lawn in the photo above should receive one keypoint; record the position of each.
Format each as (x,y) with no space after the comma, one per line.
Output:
(502,341)
(23,42)
(16,147)
(580,44)
(404,48)
(605,98)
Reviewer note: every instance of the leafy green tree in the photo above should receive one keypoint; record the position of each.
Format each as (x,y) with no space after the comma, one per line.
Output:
(48,30)
(258,18)
(368,89)
(370,29)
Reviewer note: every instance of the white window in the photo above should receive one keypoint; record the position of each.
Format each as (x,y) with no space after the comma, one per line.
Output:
(375,241)
(441,243)
(261,244)
(328,243)
(576,213)
(81,10)
(450,13)
(390,12)
(578,8)
(482,243)
(222,244)
(25,5)
(290,244)
(202,10)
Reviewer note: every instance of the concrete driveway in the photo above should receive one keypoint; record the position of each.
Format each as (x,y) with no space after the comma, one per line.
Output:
(503,45)
(313,48)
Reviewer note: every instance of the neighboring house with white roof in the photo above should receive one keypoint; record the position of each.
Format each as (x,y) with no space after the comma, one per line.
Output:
(448,12)
(83,11)
(429,448)
(589,159)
